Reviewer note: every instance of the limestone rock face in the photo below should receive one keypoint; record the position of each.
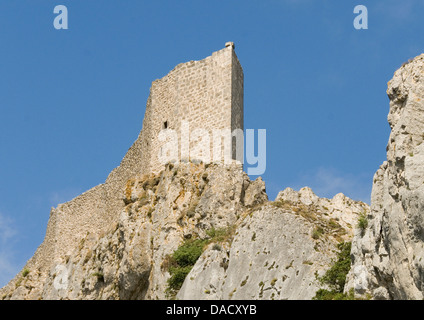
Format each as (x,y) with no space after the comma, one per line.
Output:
(272,257)
(126,260)
(388,256)
(276,252)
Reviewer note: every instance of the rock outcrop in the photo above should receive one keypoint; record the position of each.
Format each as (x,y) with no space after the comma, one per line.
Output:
(124,261)
(388,255)
(275,249)
(340,208)
(279,249)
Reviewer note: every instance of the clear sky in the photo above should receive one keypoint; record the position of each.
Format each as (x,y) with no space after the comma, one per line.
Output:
(72,101)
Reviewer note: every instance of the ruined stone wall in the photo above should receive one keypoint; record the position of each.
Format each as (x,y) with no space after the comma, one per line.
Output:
(91,212)
(207,94)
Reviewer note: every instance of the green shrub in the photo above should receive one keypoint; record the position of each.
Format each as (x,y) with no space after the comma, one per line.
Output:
(362,221)
(323,294)
(335,277)
(178,275)
(189,252)
(183,260)
(25,272)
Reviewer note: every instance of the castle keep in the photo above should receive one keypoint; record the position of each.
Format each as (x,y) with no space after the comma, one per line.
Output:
(205,94)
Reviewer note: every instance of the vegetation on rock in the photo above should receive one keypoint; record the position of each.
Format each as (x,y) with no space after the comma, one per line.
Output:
(184,258)
(335,277)
(362,221)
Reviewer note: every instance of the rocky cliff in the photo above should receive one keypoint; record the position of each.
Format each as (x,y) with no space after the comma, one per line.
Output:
(279,249)
(267,249)
(388,255)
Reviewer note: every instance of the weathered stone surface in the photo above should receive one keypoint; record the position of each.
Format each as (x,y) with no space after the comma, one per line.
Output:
(272,257)
(389,255)
(274,254)
(204,95)
(255,193)
(340,208)
(126,260)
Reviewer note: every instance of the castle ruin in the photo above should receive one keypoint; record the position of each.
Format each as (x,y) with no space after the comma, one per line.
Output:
(206,94)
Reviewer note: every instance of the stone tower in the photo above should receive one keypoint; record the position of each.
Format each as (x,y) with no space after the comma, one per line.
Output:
(205,94)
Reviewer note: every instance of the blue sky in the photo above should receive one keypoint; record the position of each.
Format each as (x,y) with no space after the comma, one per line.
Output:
(72,101)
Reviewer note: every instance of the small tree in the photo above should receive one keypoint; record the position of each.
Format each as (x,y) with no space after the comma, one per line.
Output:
(335,277)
